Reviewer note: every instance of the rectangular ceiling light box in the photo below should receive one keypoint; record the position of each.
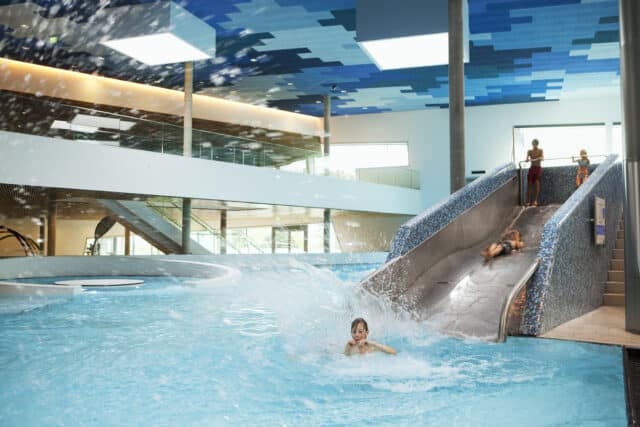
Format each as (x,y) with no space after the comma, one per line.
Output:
(102,122)
(158,33)
(406,33)
(62,125)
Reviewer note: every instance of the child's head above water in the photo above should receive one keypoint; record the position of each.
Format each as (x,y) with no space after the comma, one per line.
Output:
(359,329)
(583,153)
(359,342)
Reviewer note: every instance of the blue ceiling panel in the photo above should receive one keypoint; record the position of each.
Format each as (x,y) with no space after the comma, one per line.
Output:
(288,54)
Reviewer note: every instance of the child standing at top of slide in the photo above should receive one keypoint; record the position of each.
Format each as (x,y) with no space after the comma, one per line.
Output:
(536,156)
(583,167)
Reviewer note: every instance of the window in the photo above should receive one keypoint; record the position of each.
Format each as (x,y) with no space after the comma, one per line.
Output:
(563,142)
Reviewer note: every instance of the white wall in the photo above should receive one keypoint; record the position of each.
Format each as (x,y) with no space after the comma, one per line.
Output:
(427,133)
(489,130)
(48,162)
(488,134)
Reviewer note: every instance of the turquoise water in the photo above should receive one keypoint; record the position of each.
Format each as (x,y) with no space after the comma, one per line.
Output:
(264,348)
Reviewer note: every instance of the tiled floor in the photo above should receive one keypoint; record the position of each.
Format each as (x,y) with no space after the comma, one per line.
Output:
(604,325)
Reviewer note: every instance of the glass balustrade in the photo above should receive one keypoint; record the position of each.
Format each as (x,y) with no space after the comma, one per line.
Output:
(44,117)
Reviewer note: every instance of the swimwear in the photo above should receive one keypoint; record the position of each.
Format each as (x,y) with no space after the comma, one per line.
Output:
(506,248)
(535,172)
(583,171)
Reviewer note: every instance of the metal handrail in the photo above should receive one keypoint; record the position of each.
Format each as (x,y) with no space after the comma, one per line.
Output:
(520,169)
(560,158)
(28,245)
(93,111)
(208,228)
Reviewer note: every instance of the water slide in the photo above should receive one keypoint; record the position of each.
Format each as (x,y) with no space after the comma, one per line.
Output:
(444,280)
(150,225)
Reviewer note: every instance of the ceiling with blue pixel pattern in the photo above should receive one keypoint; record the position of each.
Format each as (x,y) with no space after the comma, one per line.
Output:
(288,54)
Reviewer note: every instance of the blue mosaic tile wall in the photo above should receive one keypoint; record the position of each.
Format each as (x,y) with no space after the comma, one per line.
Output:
(424,225)
(570,279)
(557,184)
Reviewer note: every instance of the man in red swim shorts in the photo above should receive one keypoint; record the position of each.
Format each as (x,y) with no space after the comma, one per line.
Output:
(535,156)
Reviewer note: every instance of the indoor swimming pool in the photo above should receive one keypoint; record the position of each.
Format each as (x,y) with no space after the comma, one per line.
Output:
(264,348)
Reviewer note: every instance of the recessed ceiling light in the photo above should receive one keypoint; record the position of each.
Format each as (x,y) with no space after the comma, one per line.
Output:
(253,60)
(289,84)
(155,33)
(408,52)
(24,26)
(102,122)
(59,124)
(418,42)
(157,49)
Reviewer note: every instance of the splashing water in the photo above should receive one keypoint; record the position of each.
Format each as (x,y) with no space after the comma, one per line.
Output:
(264,348)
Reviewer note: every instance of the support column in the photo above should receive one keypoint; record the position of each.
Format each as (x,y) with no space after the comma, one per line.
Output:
(629,70)
(326,236)
(186,151)
(223,231)
(127,241)
(42,235)
(188,103)
(51,229)
(326,138)
(456,96)
(273,240)
(186,226)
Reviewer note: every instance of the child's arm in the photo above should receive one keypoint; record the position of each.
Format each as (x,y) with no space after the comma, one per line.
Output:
(382,347)
(348,347)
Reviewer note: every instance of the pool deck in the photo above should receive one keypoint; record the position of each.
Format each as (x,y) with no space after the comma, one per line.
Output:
(604,325)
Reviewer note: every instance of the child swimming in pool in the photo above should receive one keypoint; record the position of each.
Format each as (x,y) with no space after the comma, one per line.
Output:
(359,343)
(512,240)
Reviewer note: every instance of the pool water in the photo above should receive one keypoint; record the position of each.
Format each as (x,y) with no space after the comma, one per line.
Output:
(264,348)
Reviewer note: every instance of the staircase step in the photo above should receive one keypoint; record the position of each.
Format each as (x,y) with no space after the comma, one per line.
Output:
(617,264)
(616,276)
(614,299)
(620,234)
(614,288)
(619,243)
(618,254)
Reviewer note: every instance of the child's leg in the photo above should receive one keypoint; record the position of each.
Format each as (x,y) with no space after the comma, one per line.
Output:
(578,180)
(496,249)
(492,250)
(535,201)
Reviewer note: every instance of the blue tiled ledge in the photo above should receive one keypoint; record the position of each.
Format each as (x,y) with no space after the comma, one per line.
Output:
(557,183)
(424,225)
(569,281)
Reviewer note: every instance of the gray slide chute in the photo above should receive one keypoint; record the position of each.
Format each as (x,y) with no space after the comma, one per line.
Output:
(445,282)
